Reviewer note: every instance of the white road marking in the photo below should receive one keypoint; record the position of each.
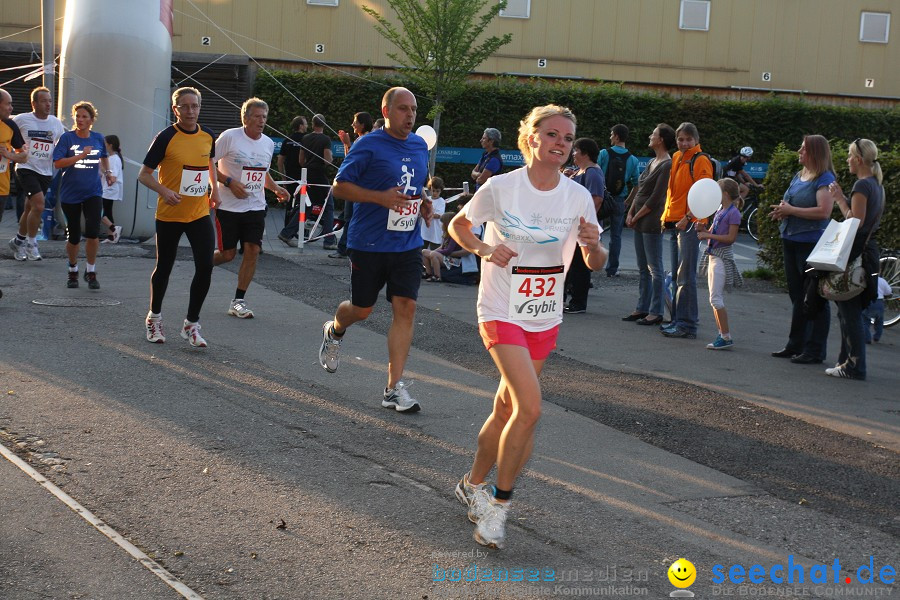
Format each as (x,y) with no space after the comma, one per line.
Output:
(153,566)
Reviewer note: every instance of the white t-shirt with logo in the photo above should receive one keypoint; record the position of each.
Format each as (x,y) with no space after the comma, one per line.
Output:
(40,136)
(246,160)
(542,227)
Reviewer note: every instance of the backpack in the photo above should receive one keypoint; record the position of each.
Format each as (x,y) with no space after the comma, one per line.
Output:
(615,171)
(716,165)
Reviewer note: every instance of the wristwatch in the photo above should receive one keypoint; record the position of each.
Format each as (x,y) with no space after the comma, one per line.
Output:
(227,181)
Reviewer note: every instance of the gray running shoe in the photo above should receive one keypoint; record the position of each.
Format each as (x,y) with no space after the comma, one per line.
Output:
(330,350)
(399,399)
(18,248)
(31,251)
(491,527)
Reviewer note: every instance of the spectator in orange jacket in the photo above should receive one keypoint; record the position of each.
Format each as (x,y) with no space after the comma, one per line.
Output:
(688,166)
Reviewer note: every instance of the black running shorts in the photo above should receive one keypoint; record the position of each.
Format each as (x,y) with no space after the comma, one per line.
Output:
(370,271)
(247,227)
(33,183)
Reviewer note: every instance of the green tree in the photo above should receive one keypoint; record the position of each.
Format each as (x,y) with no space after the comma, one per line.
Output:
(437,39)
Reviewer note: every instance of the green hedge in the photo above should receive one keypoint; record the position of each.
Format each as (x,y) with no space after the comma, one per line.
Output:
(725,125)
(782,168)
(773,127)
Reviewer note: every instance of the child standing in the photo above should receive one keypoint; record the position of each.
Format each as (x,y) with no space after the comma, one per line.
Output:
(719,258)
(432,234)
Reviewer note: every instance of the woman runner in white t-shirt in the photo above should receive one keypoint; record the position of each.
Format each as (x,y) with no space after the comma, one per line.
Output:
(534,218)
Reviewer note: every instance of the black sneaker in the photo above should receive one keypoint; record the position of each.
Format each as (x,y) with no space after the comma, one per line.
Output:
(573,309)
(73,280)
(91,279)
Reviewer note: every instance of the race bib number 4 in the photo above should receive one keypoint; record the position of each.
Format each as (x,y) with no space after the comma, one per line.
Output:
(194,181)
(405,219)
(535,293)
(39,149)
(254,179)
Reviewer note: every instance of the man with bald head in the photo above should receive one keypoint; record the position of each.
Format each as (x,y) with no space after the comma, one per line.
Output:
(41,130)
(12,146)
(384,173)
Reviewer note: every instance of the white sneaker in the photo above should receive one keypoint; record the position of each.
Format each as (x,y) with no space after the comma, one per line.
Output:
(240,309)
(154,328)
(491,527)
(399,399)
(475,497)
(31,251)
(117,233)
(330,350)
(18,248)
(191,332)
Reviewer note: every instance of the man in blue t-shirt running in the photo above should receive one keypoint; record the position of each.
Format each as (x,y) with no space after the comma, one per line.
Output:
(384,172)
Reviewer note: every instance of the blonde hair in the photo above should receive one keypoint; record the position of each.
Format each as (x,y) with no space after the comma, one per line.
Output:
(867,152)
(529,125)
(731,187)
(183,91)
(86,106)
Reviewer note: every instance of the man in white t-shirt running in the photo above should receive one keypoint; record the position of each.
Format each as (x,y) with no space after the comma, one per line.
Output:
(243,157)
(41,131)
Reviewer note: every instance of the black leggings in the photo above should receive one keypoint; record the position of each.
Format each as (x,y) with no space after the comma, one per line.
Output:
(107,209)
(202,237)
(91,209)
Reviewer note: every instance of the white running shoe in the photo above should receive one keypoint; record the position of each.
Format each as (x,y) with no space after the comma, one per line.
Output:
(330,350)
(191,332)
(31,251)
(475,497)
(117,233)
(491,527)
(154,327)
(399,399)
(240,309)
(18,248)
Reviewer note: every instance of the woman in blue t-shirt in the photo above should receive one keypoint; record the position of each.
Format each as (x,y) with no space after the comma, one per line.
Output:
(81,156)
(866,203)
(804,213)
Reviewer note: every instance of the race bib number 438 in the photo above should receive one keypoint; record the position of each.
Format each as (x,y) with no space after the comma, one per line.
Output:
(536,293)
(194,181)
(404,219)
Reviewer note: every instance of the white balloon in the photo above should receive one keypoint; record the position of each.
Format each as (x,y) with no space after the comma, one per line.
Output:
(704,198)
(427,133)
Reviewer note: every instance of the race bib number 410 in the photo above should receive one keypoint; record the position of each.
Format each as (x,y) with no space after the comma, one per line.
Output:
(39,149)
(194,181)
(535,293)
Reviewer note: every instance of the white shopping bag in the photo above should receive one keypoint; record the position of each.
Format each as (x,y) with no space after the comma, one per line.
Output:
(833,249)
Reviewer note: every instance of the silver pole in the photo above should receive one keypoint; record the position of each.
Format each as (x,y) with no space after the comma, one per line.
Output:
(48,45)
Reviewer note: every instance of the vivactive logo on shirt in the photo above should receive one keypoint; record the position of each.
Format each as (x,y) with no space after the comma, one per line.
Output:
(513,229)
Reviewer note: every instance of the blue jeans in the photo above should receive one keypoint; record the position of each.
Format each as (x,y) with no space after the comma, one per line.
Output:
(875,313)
(617,221)
(348,214)
(807,336)
(687,315)
(853,348)
(649,250)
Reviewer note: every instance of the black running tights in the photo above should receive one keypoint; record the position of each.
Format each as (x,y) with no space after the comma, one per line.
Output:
(202,237)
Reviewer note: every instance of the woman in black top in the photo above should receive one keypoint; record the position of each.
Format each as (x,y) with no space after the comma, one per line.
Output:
(866,203)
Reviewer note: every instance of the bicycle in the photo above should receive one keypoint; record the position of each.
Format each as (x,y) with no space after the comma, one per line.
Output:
(890,271)
(750,213)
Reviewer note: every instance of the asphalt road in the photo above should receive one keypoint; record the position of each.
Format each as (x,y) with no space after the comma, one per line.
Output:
(249,472)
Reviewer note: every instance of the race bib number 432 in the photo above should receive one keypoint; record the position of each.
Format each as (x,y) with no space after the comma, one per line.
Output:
(194,181)
(536,293)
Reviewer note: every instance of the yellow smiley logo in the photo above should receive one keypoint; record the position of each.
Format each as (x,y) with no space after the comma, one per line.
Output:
(682,573)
